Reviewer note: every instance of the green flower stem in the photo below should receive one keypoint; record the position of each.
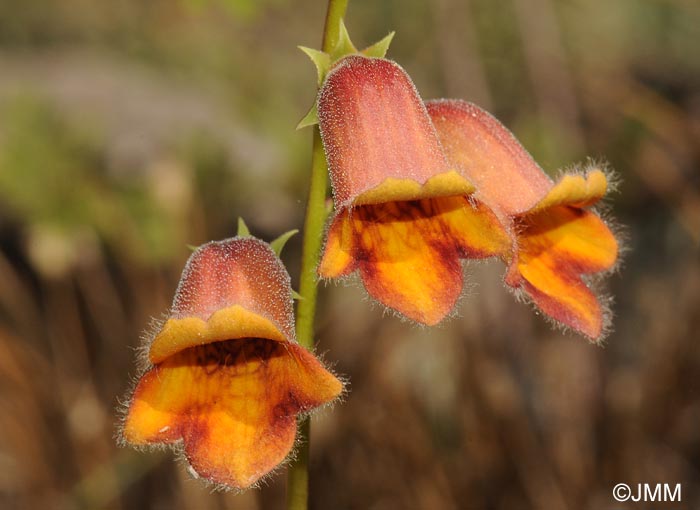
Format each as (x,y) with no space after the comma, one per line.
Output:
(335,13)
(298,471)
(313,233)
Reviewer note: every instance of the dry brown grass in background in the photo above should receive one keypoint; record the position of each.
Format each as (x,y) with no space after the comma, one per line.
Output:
(158,125)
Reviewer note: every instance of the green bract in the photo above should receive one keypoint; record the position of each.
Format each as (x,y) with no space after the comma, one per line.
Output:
(325,61)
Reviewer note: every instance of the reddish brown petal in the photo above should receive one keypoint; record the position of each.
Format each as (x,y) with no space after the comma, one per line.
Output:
(237,288)
(233,403)
(504,173)
(378,136)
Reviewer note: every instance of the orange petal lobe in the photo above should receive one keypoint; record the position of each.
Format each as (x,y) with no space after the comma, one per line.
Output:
(337,259)
(408,253)
(402,262)
(488,155)
(375,127)
(237,288)
(557,246)
(233,404)
(474,227)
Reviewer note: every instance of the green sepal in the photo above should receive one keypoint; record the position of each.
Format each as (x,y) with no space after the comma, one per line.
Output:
(344,46)
(321,60)
(192,247)
(278,244)
(310,119)
(296,295)
(325,61)
(242,229)
(379,48)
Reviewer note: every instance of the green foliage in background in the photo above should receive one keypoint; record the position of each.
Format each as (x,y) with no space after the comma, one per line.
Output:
(53,175)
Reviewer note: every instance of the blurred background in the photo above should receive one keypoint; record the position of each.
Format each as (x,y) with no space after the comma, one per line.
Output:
(131,129)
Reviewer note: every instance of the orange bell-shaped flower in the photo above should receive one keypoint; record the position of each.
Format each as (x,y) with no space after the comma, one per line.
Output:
(226,376)
(559,240)
(404,217)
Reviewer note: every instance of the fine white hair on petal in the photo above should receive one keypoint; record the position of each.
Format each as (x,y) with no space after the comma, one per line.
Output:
(243,269)
(351,123)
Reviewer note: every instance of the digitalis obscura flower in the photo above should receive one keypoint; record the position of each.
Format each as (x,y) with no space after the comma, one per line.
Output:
(558,239)
(226,377)
(404,217)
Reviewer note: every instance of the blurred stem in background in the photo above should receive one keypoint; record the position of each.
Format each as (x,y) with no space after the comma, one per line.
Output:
(298,471)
